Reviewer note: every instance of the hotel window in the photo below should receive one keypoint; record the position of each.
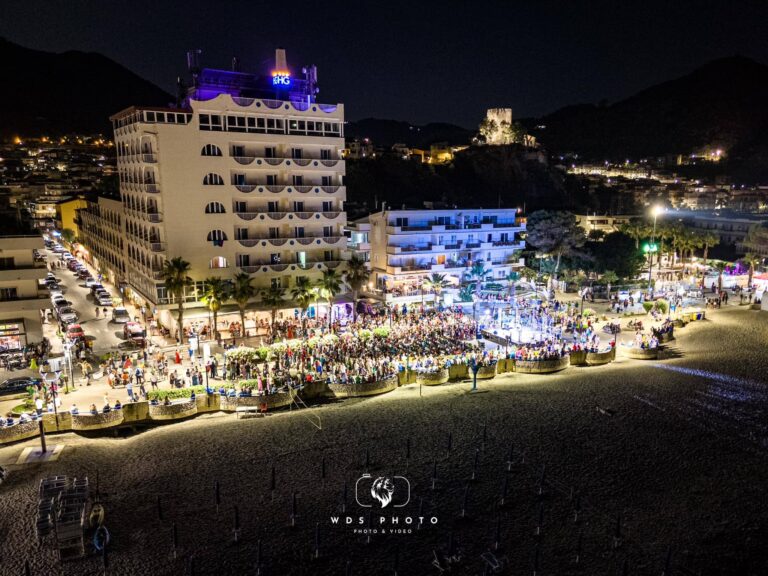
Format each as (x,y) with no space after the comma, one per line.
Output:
(150,116)
(215,208)
(238,151)
(8,294)
(326,180)
(297,153)
(240,206)
(212,179)
(275,126)
(241,234)
(243,260)
(6,263)
(270,152)
(210,150)
(217,237)
(218,262)
(273,206)
(327,231)
(298,231)
(276,283)
(274,232)
(327,206)
(236,123)
(298,180)
(328,255)
(238,179)
(210,122)
(271,179)
(298,206)
(325,154)
(274,258)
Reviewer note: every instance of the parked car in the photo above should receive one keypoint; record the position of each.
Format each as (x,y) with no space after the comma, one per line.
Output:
(60,303)
(17,385)
(67,315)
(134,332)
(96,288)
(75,331)
(56,294)
(120,315)
(91,281)
(104,299)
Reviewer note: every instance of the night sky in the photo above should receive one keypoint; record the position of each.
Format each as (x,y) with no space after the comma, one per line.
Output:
(420,61)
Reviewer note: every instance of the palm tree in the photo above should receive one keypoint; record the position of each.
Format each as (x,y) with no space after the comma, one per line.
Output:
(511,278)
(478,271)
(710,239)
(720,267)
(437,283)
(751,260)
(217,291)
(637,230)
(609,277)
(356,277)
(242,292)
(329,286)
(272,298)
(175,276)
(304,294)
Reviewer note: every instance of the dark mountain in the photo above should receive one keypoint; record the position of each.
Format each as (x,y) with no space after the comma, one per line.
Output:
(47,93)
(720,105)
(389,132)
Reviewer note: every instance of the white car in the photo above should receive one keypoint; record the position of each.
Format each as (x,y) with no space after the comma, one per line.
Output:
(56,294)
(104,299)
(120,315)
(91,281)
(67,315)
(59,303)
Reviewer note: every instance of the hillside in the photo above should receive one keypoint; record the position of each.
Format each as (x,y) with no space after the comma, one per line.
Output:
(720,105)
(389,132)
(49,93)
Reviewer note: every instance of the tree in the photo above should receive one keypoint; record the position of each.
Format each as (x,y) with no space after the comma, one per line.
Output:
(751,260)
(720,267)
(488,130)
(304,293)
(273,299)
(710,240)
(68,235)
(437,283)
(242,292)
(616,253)
(478,271)
(356,277)
(609,277)
(466,292)
(757,238)
(217,291)
(329,286)
(555,233)
(175,276)
(636,229)
(511,278)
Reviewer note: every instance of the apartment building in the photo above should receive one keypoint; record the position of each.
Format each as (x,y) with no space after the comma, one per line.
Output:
(21,299)
(245,176)
(408,246)
(101,234)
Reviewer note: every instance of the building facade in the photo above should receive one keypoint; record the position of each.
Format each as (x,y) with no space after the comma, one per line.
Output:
(245,176)
(21,297)
(408,246)
(101,236)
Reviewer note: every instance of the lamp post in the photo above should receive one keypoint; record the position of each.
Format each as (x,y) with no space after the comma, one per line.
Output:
(652,248)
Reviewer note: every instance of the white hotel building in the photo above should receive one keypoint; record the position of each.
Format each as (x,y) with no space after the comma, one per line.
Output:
(408,246)
(246,175)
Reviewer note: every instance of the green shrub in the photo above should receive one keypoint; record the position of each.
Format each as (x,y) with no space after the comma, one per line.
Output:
(647,306)
(176,393)
(588,312)
(27,406)
(662,306)
(381,331)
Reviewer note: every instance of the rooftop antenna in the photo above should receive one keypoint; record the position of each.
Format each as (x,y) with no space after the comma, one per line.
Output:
(235,64)
(193,64)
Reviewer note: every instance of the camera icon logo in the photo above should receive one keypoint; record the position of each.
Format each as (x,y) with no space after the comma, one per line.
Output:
(384,491)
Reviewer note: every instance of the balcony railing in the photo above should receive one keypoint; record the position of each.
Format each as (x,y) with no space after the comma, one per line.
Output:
(157,246)
(254,267)
(290,240)
(289,215)
(278,188)
(151,158)
(247,159)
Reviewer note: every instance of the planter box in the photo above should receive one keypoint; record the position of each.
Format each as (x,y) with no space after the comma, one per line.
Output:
(18,432)
(173,411)
(542,366)
(432,378)
(272,401)
(364,388)
(578,358)
(505,365)
(642,353)
(600,358)
(97,421)
(458,372)
(486,372)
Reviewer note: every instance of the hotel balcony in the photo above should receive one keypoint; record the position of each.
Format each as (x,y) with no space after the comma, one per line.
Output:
(291,267)
(288,162)
(268,216)
(292,241)
(150,158)
(288,189)
(435,227)
(430,248)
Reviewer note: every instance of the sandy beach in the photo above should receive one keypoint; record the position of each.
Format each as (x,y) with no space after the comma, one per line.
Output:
(677,455)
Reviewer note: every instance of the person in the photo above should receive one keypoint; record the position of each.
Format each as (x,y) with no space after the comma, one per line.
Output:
(166,401)
(129,389)
(97,311)
(93,409)
(104,310)
(153,379)
(118,406)
(38,405)
(73,409)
